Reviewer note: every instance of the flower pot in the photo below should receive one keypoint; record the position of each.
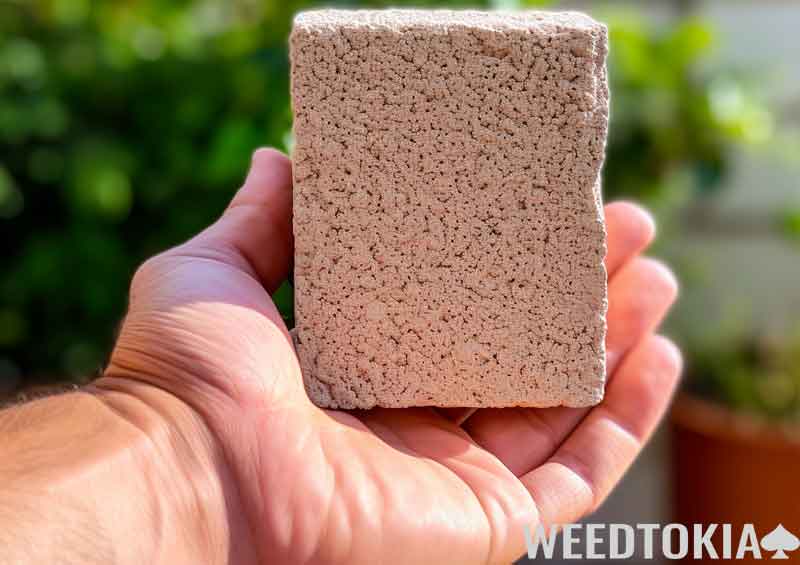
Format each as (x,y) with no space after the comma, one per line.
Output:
(734,468)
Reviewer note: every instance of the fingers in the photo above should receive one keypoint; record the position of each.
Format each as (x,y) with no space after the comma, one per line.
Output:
(629,230)
(582,472)
(257,226)
(523,438)
(638,299)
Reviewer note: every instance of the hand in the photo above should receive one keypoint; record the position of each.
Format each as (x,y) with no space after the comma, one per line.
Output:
(393,486)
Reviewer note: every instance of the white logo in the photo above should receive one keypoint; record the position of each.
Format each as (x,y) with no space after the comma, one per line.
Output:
(780,540)
(677,541)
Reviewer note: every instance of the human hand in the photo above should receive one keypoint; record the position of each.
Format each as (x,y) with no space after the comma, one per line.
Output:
(307,485)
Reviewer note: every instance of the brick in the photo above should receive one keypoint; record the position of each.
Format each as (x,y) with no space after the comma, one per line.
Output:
(449,235)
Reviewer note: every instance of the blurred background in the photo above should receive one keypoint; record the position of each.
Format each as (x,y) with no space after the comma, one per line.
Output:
(126,126)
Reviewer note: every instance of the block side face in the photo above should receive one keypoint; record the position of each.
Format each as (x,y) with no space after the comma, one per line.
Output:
(449,240)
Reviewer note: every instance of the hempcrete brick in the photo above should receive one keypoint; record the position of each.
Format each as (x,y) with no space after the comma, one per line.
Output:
(449,236)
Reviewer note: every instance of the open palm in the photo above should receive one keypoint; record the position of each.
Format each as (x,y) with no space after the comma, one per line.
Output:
(381,486)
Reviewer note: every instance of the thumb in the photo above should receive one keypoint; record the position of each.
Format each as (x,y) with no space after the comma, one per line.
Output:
(257,225)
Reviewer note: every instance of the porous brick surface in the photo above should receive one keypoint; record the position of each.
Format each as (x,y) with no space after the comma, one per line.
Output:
(449,237)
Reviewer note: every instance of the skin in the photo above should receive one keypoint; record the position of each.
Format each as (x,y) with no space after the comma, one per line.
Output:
(201,440)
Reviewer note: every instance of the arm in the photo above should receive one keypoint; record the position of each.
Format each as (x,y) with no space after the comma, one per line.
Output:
(120,472)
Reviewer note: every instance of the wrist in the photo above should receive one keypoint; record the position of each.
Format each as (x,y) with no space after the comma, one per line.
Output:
(187,491)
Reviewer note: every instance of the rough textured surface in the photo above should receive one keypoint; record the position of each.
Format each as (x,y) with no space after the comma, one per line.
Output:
(448,225)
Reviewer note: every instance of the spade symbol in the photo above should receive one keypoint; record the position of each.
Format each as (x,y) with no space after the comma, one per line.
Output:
(780,540)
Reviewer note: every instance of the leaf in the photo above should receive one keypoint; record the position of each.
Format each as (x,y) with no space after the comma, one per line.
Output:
(689,41)
(790,223)
(284,301)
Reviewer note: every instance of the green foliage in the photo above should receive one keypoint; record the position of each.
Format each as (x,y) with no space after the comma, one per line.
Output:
(790,223)
(125,127)
(673,119)
(760,376)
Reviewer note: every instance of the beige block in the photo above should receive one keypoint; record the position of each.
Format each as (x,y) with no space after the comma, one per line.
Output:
(449,235)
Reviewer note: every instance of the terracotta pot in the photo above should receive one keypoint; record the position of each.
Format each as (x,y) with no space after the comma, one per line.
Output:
(733,468)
